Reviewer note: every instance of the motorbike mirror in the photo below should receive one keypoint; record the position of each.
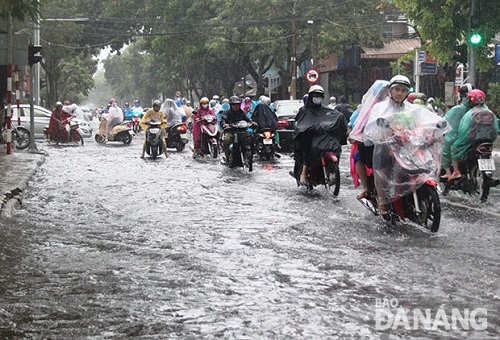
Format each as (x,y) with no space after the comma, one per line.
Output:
(382,122)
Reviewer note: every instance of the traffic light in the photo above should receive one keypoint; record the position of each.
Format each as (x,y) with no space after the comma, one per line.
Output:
(32,58)
(475,38)
(461,53)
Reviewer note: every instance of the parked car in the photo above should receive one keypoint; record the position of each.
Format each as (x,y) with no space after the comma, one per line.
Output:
(42,119)
(286,110)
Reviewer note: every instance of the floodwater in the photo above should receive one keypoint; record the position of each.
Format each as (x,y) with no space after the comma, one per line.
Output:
(111,246)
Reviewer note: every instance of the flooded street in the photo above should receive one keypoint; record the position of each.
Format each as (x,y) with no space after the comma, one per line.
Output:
(111,246)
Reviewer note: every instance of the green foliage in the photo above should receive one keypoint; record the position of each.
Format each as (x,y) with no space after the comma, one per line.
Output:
(493,97)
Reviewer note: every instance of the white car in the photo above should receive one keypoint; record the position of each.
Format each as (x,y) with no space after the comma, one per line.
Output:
(42,119)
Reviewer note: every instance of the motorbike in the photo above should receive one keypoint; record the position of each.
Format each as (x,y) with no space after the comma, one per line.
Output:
(266,145)
(477,169)
(210,136)
(20,136)
(323,171)
(136,118)
(176,137)
(414,195)
(120,133)
(74,135)
(241,149)
(154,145)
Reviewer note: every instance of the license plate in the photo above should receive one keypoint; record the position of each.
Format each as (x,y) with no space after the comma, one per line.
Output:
(183,135)
(486,164)
(154,130)
(268,141)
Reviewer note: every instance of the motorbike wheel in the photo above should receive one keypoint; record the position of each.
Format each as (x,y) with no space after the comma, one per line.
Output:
(428,200)
(180,146)
(154,152)
(21,138)
(99,139)
(214,149)
(127,140)
(333,177)
(249,159)
(76,138)
(136,129)
(483,186)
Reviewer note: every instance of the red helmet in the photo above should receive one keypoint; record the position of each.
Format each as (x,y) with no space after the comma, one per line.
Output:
(67,102)
(112,100)
(411,97)
(476,97)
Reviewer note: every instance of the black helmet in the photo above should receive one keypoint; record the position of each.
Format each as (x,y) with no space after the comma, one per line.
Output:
(234,100)
(465,89)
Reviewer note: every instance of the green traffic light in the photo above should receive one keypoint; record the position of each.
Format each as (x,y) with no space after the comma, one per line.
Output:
(475,38)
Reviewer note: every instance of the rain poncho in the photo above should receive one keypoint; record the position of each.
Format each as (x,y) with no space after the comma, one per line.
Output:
(265,117)
(376,93)
(408,143)
(173,113)
(453,117)
(320,129)
(114,118)
(478,124)
(201,112)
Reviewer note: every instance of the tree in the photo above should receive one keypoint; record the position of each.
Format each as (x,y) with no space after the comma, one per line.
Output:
(446,23)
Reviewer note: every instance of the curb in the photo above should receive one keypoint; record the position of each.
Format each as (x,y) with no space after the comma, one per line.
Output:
(18,180)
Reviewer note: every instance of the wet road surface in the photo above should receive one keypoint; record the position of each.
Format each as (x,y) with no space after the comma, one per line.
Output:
(108,245)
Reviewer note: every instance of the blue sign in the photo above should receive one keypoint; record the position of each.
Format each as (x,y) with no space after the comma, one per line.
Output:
(428,68)
(497,54)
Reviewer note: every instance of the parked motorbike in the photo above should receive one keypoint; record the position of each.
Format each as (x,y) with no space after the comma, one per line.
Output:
(413,185)
(241,150)
(323,171)
(120,133)
(477,169)
(74,135)
(176,137)
(154,145)
(210,136)
(266,145)
(20,136)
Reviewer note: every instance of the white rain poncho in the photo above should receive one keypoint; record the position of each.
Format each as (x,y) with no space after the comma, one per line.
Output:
(408,143)
(172,112)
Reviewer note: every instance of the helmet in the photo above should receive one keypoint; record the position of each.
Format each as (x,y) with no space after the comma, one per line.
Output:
(59,104)
(225,100)
(234,100)
(247,99)
(156,103)
(476,97)
(411,97)
(265,100)
(204,100)
(400,80)
(67,102)
(464,89)
(430,100)
(304,99)
(333,100)
(316,89)
(215,97)
(112,100)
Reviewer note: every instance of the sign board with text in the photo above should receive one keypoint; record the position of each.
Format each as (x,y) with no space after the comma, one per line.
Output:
(428,68)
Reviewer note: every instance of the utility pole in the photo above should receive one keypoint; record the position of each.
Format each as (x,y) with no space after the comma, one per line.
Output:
(472,54)
(293,59)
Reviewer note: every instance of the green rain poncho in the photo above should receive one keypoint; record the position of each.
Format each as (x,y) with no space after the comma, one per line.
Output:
(453,116)
(478,124)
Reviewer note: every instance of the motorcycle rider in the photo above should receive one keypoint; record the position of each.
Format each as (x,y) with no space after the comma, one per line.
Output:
(399,88)
(306,131)
(137,109)
(204,110)
(454,116)
(233,115)
(172,112)
(478,124)
(332,103)
(114,118)
(155,113)
(265,117)
(58,125)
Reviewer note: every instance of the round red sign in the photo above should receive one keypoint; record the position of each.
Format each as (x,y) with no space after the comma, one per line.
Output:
(312,76)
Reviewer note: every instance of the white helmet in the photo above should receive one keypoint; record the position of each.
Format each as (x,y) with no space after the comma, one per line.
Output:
(316,89)
(400,80)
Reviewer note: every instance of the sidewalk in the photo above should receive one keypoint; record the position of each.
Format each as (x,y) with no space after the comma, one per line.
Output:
(16,170)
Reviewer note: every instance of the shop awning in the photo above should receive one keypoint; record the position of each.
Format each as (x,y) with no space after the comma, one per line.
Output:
(391,50)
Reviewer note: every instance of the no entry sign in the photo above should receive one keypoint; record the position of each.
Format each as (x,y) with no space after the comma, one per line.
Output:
(312,76)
